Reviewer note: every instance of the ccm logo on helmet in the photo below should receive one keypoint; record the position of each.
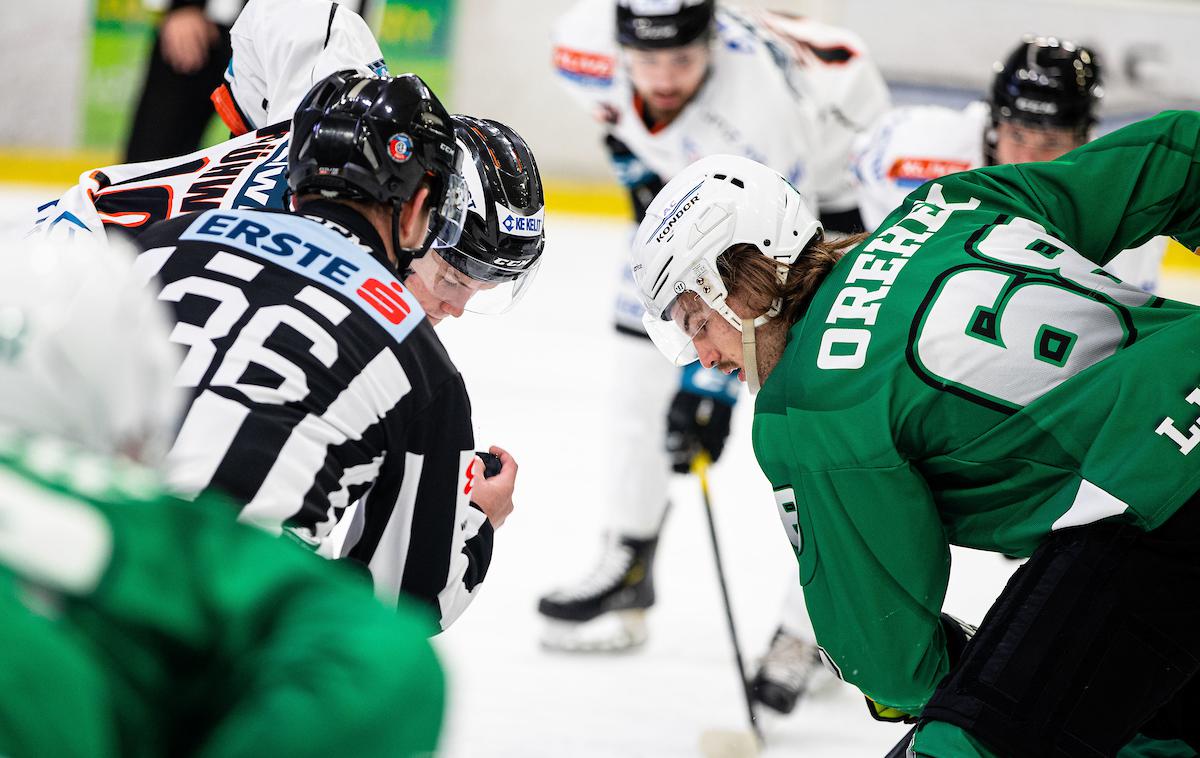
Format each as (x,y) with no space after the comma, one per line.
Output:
(509,262)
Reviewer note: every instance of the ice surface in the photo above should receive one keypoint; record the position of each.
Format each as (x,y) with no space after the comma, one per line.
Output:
(538,378)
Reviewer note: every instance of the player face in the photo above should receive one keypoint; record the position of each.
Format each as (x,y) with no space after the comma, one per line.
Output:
(1023,143)
(716,341)
(667,79)
(441,289)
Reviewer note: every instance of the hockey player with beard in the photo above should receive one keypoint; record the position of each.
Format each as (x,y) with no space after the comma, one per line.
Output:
(1042,103)
(967,375)
(138,624)
(671,82)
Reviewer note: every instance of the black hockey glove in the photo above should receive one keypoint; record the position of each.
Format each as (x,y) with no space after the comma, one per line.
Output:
(958,634)
(696,423)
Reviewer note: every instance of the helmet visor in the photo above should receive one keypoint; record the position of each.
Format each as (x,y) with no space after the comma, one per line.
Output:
(452,290)
(503,295)
(674,332)
(446,222)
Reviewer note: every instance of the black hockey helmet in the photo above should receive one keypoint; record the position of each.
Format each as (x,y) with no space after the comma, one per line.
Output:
(376,139)
(1047,82)
(656,24)
(503,237)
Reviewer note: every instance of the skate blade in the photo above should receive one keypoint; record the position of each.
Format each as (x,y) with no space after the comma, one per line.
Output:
(611,632)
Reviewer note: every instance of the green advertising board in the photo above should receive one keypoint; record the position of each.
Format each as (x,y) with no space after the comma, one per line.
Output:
(122,32)
(413,34)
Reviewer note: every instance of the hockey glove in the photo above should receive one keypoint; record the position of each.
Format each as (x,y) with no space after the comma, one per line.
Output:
(699,416)
(958,634)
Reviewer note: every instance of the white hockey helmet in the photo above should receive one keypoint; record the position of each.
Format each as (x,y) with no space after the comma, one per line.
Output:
(715,203)
(85,354)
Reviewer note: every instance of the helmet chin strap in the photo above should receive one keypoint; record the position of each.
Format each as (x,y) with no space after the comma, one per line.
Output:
(750,356)
(747,326)
(750,346)
(404,256)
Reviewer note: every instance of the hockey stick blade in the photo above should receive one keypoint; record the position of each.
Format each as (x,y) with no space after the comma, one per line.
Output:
(728,743)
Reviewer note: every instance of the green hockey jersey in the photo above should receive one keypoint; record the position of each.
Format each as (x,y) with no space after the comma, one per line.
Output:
(970,376)
(135,624)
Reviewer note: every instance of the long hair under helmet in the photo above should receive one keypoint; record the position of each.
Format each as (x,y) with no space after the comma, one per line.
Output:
(715,203)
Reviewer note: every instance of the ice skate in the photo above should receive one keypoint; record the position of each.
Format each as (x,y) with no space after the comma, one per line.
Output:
(606,610)
(786,672)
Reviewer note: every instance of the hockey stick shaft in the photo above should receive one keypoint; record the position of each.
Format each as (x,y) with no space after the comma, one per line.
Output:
(700,468)
(901,748)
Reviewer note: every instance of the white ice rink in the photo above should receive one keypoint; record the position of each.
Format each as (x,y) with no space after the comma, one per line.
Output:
(538,379)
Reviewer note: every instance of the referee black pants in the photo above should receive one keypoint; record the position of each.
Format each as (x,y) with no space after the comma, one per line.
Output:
(174,110)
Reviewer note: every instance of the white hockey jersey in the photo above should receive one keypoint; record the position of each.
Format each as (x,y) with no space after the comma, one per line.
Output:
(280,49)
(245,172)
(788,92)
(910,146)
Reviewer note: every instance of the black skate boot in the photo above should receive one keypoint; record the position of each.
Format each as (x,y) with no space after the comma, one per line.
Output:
(786,672)
(606,610)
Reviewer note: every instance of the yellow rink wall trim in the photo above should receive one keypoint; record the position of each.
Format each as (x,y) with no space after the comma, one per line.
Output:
(60,170)
(52,169)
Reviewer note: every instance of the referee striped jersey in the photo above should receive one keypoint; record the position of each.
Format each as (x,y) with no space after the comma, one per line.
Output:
(322,399)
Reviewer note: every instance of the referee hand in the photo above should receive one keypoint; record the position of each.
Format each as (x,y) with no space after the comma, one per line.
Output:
(494,495)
